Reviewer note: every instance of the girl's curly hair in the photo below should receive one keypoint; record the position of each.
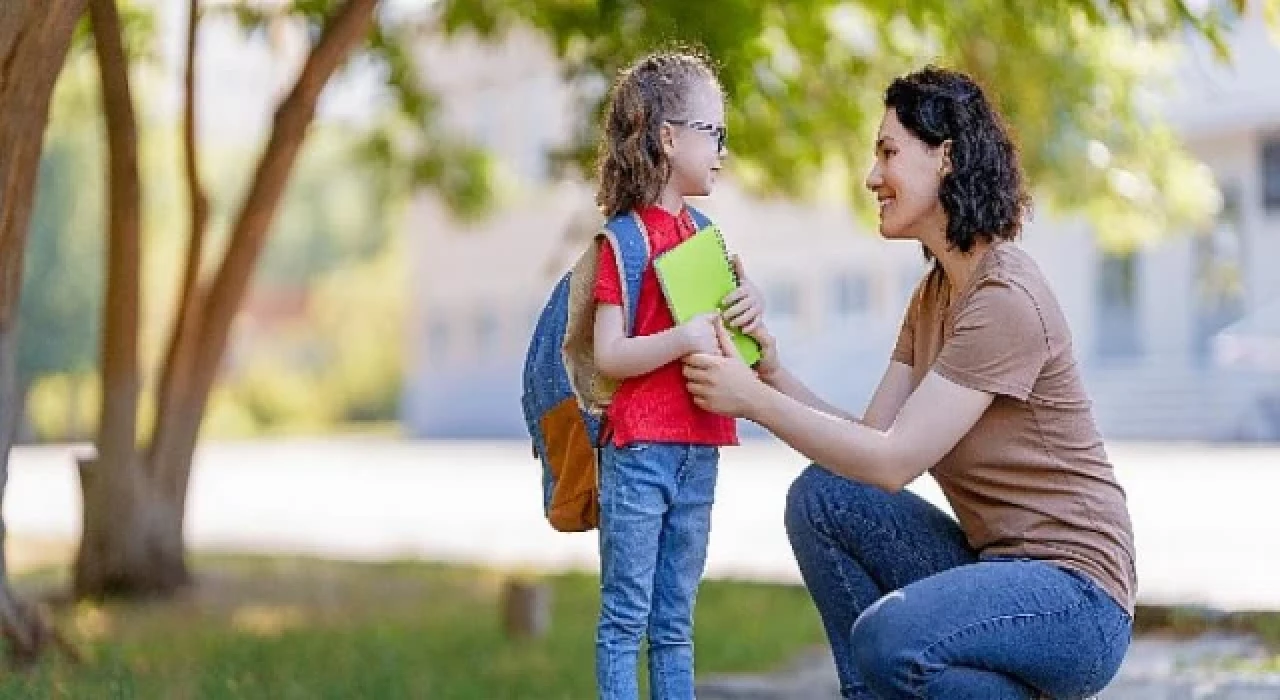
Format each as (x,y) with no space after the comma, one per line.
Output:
(984,195)
(633,168)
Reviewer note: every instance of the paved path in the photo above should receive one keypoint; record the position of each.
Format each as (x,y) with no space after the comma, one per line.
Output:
(1207,518)
(1155,669)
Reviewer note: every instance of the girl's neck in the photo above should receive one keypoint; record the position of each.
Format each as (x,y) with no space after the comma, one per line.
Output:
(671,200)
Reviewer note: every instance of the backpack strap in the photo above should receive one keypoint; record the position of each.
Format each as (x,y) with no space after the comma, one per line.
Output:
(700,220)
(630,242)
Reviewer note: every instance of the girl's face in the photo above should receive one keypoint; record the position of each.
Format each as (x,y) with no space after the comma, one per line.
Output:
(695,144)
(905,180)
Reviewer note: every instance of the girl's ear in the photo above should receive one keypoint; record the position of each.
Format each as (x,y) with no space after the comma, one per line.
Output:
(667,135)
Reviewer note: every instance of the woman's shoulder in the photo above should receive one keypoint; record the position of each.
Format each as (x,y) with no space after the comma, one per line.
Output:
(1012,284)
(1010,263)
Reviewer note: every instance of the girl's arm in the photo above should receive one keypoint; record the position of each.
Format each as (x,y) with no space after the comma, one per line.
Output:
(620,357)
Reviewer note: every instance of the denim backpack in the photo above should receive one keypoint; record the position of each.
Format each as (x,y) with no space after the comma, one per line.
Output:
(564,393)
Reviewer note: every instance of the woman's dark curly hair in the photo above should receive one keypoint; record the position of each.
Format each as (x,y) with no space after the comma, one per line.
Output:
(984,195)
(633,168)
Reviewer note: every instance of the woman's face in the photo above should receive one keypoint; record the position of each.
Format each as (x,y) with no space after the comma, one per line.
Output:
(905,181)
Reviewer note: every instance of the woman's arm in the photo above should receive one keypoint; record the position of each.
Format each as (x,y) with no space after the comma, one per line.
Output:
(787,384)
(890,394)
(931,421)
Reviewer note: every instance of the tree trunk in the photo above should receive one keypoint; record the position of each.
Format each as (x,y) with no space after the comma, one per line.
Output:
(34,38)
(129,539)
(22,631)
(181,407)
(26,629)
(134,506)
(132,541)
(526,609)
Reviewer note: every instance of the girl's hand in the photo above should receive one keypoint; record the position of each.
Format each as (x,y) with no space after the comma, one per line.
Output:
(723,383)
(698,335)
(744,306)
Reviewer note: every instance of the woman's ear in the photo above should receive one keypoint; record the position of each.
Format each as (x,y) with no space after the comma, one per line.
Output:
(944,169)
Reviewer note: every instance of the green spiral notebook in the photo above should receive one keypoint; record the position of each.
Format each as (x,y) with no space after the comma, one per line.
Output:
(696,276)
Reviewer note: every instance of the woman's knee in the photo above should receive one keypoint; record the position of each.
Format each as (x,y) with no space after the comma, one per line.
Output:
(810,498)
(799,507)
(818,499)
(884,658)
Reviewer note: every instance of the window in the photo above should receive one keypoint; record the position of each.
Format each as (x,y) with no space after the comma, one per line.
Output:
(529,317)
(437,340)
(537,133)
(486,331)
(486,120)
(1117,298)
(1271,174)
(851,294)
(783,300)
(1219,271)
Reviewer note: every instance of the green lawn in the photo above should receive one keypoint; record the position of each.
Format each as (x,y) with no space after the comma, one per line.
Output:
(304,628)
(1193,622)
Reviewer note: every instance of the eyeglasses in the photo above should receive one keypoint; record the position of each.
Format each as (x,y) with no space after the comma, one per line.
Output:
(721,133)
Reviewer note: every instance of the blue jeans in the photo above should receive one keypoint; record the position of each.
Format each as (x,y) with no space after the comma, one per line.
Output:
(912,612)
(655,520)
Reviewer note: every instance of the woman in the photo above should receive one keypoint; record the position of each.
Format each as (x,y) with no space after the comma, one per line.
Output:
(1032,591)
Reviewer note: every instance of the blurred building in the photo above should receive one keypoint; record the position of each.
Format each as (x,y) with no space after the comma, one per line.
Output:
(1146,325)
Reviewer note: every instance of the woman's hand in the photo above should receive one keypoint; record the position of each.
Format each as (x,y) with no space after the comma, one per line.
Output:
(744,306)
(770,362)
(724,383)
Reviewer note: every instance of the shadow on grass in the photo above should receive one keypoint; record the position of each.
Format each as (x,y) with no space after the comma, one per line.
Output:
(292,627)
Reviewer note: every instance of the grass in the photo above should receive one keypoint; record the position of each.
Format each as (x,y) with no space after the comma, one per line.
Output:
(1192,622)
(1186,623)
(285,628)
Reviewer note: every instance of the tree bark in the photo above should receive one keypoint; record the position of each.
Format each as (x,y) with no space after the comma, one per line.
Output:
(131,541)
(182,409)
(27,627)
(34,38)
(131,545)
(526,609)
(134,506)
(175,374)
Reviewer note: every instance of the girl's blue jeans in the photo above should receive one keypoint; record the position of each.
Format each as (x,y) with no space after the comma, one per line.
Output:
(655,520)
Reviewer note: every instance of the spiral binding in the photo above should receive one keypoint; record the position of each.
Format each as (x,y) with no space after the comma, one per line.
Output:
(724,248)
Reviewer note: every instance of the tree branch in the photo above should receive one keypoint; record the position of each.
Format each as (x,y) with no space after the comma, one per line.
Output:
(176,368)
(118,421)
(218,307)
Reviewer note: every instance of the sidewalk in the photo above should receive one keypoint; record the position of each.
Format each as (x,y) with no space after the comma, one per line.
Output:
(1154,669)
(1205,516)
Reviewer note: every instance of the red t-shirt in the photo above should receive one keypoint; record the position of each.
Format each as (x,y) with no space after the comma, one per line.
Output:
(656,407)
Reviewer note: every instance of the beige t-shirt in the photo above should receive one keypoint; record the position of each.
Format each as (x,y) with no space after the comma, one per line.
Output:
(1031,479)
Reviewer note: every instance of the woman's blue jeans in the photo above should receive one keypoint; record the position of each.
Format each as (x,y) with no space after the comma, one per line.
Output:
(912,612)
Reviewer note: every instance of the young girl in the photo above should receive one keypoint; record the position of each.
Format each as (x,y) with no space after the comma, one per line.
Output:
(664,138)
